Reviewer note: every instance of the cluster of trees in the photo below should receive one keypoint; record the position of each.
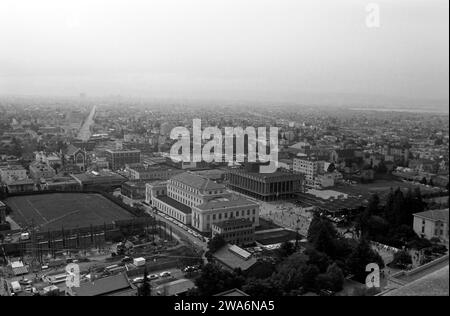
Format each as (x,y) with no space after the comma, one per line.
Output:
(215,243)
(350,256)
(391,224)
(145,289)
(323,265)
(214,280)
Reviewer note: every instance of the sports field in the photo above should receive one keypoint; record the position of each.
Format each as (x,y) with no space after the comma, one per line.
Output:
(68,210)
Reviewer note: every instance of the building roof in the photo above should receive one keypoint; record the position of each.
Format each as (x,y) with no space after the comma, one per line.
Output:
(234,222)
(433,284)
(233,292)
(281,175)
(434,215)
(99,176)
(119,151)
(197,182)
(179,206)
(224,202)
(176,287)
(228,256)
(72,150)
(12,167)
(12,182)
(106,286)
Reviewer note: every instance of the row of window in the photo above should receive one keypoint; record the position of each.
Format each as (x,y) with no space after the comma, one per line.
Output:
(171,212)
(241,213)
(226,229)
(191,189)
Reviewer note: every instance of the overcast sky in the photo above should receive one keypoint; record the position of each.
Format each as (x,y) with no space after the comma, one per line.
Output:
(233,49)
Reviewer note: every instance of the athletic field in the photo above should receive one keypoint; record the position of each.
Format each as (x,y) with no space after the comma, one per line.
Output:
(68,210)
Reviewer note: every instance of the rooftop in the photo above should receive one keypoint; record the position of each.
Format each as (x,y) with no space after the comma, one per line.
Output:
(433,284)
(434,215)
(284,175)
(101,175)
(233,292)
(106,286)
(12,167)
(198,182)
(224,202)
(179,206)
(227,255)
(117,151)
(233,223)
(176,287)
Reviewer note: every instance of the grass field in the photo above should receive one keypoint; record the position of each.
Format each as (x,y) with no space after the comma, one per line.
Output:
(71,210)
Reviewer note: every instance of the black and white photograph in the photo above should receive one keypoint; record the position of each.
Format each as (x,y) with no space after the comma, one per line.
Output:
(224,155)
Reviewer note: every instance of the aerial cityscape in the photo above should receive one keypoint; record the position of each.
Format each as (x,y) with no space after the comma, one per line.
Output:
(112,192)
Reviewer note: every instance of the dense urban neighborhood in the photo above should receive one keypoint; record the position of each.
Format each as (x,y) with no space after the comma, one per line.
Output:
(90,183)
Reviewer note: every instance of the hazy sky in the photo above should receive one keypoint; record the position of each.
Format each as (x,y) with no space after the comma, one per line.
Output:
(233,49)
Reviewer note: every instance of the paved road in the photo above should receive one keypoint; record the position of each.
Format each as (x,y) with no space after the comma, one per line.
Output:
(85,132)
(181,233)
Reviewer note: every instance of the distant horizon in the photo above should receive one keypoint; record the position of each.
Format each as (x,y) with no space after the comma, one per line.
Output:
(306,52)
(402,104)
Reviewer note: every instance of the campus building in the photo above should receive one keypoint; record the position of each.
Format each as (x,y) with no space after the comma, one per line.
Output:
(141,172)
(9,172)
(77,157)
(200,202)
(101,180)
(134,190)
(40,170)
(117,159)
(235,231)
(310,168)
(265,186)
(432,224)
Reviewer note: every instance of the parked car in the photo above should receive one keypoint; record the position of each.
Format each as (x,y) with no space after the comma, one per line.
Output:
(153,276)
(165,274)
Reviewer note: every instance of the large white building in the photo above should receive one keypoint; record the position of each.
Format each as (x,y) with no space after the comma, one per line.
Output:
(12,172)
(309,168)
(198,201)
(432,224)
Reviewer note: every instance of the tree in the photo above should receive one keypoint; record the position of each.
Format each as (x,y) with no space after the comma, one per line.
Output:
(418,203)
(145,289)
(289,274)
(361,256)
(324,241)
(398,210)
(388,208)
(320,227)
(213,280)
(286,249)
(374,204)
(318,259)
(309,275)
(216,243)
(402,259)
(262,288)
(332,280)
